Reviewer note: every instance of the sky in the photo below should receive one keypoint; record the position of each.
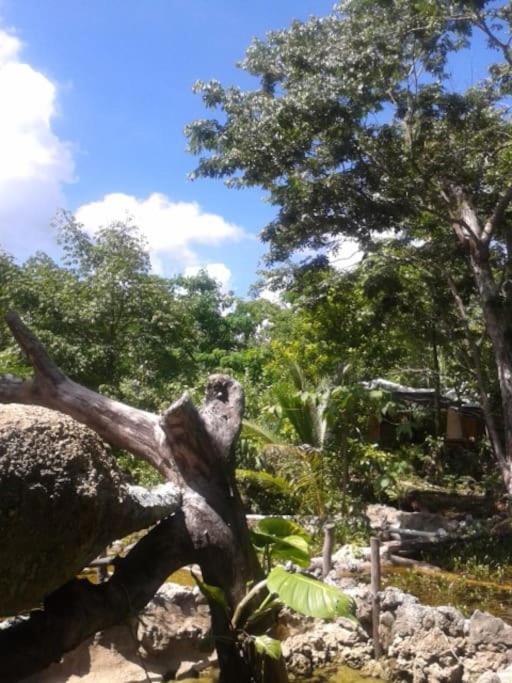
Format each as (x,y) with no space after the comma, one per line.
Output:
(94,97)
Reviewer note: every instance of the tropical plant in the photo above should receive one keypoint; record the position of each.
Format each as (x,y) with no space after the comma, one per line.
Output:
(307,411)
(324,420)
(266,493)
(252,622)
(281,539)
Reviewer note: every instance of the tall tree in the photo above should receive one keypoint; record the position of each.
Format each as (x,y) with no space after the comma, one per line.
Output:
(357,128)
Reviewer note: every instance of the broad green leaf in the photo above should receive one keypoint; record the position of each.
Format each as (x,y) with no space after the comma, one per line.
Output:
(270,647)
(293,548)
(309,596)
(212,593)
(279,527)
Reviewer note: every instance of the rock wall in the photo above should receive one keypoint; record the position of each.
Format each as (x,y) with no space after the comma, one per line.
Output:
(422,644)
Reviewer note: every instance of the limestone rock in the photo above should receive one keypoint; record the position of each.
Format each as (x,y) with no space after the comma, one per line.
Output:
(383,517)
(166,638)
(62,501)
(485,630)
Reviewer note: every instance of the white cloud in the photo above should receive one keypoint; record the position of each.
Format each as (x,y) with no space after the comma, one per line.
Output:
(34,162)
(171,228)
(345,254)
(274,296)
(218,271)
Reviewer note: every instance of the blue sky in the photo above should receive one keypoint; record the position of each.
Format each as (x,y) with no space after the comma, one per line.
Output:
(123,72)
(103,90)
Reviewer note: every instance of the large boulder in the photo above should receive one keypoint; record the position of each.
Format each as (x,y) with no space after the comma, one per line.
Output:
(62,501)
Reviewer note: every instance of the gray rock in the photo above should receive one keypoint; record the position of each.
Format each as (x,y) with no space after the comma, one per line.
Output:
(483,662)
(489,677)
(167,639)
(62,501)
(486,630)
(385,517)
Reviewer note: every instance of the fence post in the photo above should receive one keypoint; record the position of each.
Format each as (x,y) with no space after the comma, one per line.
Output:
(327,549)
(375,590)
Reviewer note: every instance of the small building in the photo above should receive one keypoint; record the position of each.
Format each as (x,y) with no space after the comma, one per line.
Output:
(461,420)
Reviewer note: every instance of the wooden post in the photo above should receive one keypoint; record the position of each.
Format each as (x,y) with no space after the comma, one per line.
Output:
(375,590)
(327,549)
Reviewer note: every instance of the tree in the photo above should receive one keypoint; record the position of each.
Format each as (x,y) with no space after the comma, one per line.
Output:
(192,449)
(356,128)
(110,322)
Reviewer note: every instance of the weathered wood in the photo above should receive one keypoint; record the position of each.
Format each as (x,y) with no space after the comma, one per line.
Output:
(327,549)
(375,591)
(79,609)
(192,449)
(221,413)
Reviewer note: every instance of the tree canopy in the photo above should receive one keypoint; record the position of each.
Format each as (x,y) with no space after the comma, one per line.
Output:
(356,129)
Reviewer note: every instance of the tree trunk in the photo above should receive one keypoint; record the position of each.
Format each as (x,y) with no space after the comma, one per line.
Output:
(191,448)
(498,326)
(437,382)
(476,239)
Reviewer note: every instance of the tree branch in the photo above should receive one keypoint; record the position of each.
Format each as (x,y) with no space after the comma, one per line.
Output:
(493,39)
(181,441)
(131,429)
(188,438)
(497,215)
(482,385)
(34,350)
(79,609)
(222,412)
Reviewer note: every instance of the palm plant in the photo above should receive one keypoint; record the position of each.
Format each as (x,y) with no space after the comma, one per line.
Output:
(310,413)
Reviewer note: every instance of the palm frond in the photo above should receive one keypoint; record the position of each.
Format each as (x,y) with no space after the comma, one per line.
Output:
(297,375)
(256,431)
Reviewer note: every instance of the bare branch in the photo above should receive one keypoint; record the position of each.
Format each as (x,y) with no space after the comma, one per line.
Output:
(493,38)
(34,350)
(128,428)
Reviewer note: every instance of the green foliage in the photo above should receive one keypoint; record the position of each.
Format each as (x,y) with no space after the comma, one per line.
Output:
(267,646)
(264,493)
(138,471)
(353,528)
(356,130)
(355,122)
(378,469)
(213,594)
(278,527)
(308,596)
(281,540)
